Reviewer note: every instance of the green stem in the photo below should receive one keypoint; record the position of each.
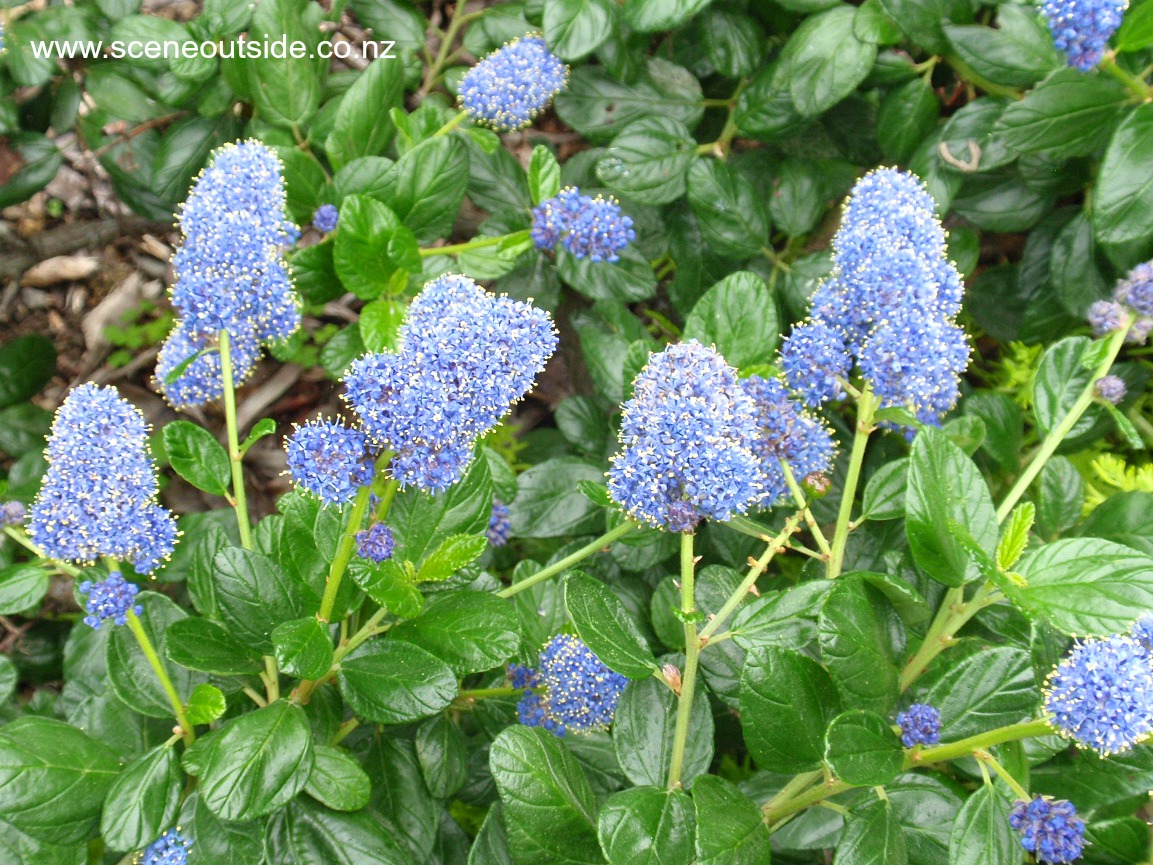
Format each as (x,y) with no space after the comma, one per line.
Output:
(141,635)
(776,545)
(458,119)
(1014,784)
(478,243)
(485,693)
(344,729)
(23,540)
(866,410)
(343,554)
(692,650)
(951,617)
(810,520)
(1058,433)
(234,457)
(980,742)
(569,560)
(812,796)
(454,26)
(1133,84)
(369,630)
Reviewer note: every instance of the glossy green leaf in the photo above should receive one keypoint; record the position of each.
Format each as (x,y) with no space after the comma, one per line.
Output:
(549,504)
(1067,114)
(22,587)
(647,826)
(27,363)
(455,552)
(254,595)
(1018,53)
(862,749)
(606,627)
(143,802)
(307,833)
(470,631)
(982,833)
(854,627)
(443,755)
(337,780)
(1136,31)
(363,125)
(1123,193)
(730,827)
(824,61)
(648,161)
(205,705)
(872,836)
(421,522)
(739,316)
(380,320)
(884,497)
(732,217)
(197,457)
(1125,518)
(394,682)
(303,647)
(425,187)
(982,691)
(286,90)
(129,671)
(643,729)
(576,28)
(199,644)
(543,174)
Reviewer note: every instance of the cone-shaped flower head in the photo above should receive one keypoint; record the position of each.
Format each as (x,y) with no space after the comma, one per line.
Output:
(111,598)
(1050,828)
(688,435)
(375,543)
(920,725)
(99,495)
(1101,695)
(573,691)
(511,86)
(465,356)
(593,228)
(171,848)
(329,460)
(1081,28)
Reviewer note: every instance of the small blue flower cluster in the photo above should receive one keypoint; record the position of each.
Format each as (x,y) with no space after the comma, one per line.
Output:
(786,433)
(573,691)
(1050,828)
(1110,388)
(325,218)
(171,848)
(111,598)
(1081,28)
(99,494)
(511,86)
(593,228)
(1101,695)
(499,527)
(230,273)
(889,304)
(688,436)
(375,543)
(465,357)
(920,725)
(12,514)
(329,460)
(1132,301)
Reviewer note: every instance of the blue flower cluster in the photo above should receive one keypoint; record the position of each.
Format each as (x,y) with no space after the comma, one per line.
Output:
(688,436)
(573,691)
(465,356)
(111,598)
(1132,301)
(511,86)
(375,543)
(325,218)
(593,228)
(1101,695)
(920,725)
(786,433)
(329,460)
(889,304)
(171,848)
(1110,388)
(230,272)
(1050,828)
(99,494)
(12,514)
(499,527)
(1081,28)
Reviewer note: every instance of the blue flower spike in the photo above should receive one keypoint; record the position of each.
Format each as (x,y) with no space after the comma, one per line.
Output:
(510,87)
(1081,28)
(920,725)
(171,848)
(330,460)
(572,692)
(1050,828)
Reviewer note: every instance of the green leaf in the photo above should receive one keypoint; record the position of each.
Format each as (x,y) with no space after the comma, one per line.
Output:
(337,780)
(1074,274)
(380,320)
(9,677)
(1017,54)
(21,588)
(400,801)
(129,671)
(543,174)
(1123,193)
(143,802)
(643,729)
(734,43)
(470,631)
(824,61)
(606,627)
(739,316)
(443,756)
(388,584)
(257,762)
(307,833)
(872,836)
(197,457)
(394,682)
(1068,114)
(425,187)
(787,618)
(454,553)
(651,16)
(1061,377)
(371,245)
(1136,31)
(647,826)
(549,503)
(648,161)
(286,90)
(217,840)
(1086,586)
(205,705)
(884,497)
(1016,535)
(985,689)
(1126,518)
(303,648)
(38,158)
(945,485)
(27,363)
(628,280)
(982,832)
(199,644)
(730,827)
(862,749)
(255,594)
(421,522)
(363,126)
(53,779)
(549,808)
(264,427)
(906,118)
(854,627)
(575,28)
(1060,495)
(733,218)
(787,702)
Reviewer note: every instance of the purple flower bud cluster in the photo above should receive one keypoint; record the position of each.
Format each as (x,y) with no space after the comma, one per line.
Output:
(593,228)
(1110,388)
(920,725)
(1132,301)
(325,218)
(889,305)
(112,598)
(99,494)
(329,460)
(499,527)
(171,848)
(572,691)
(1081,28)
(230,273)
(375,543)
(1050,828)
(511,86)
(12,514)
(465,356)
